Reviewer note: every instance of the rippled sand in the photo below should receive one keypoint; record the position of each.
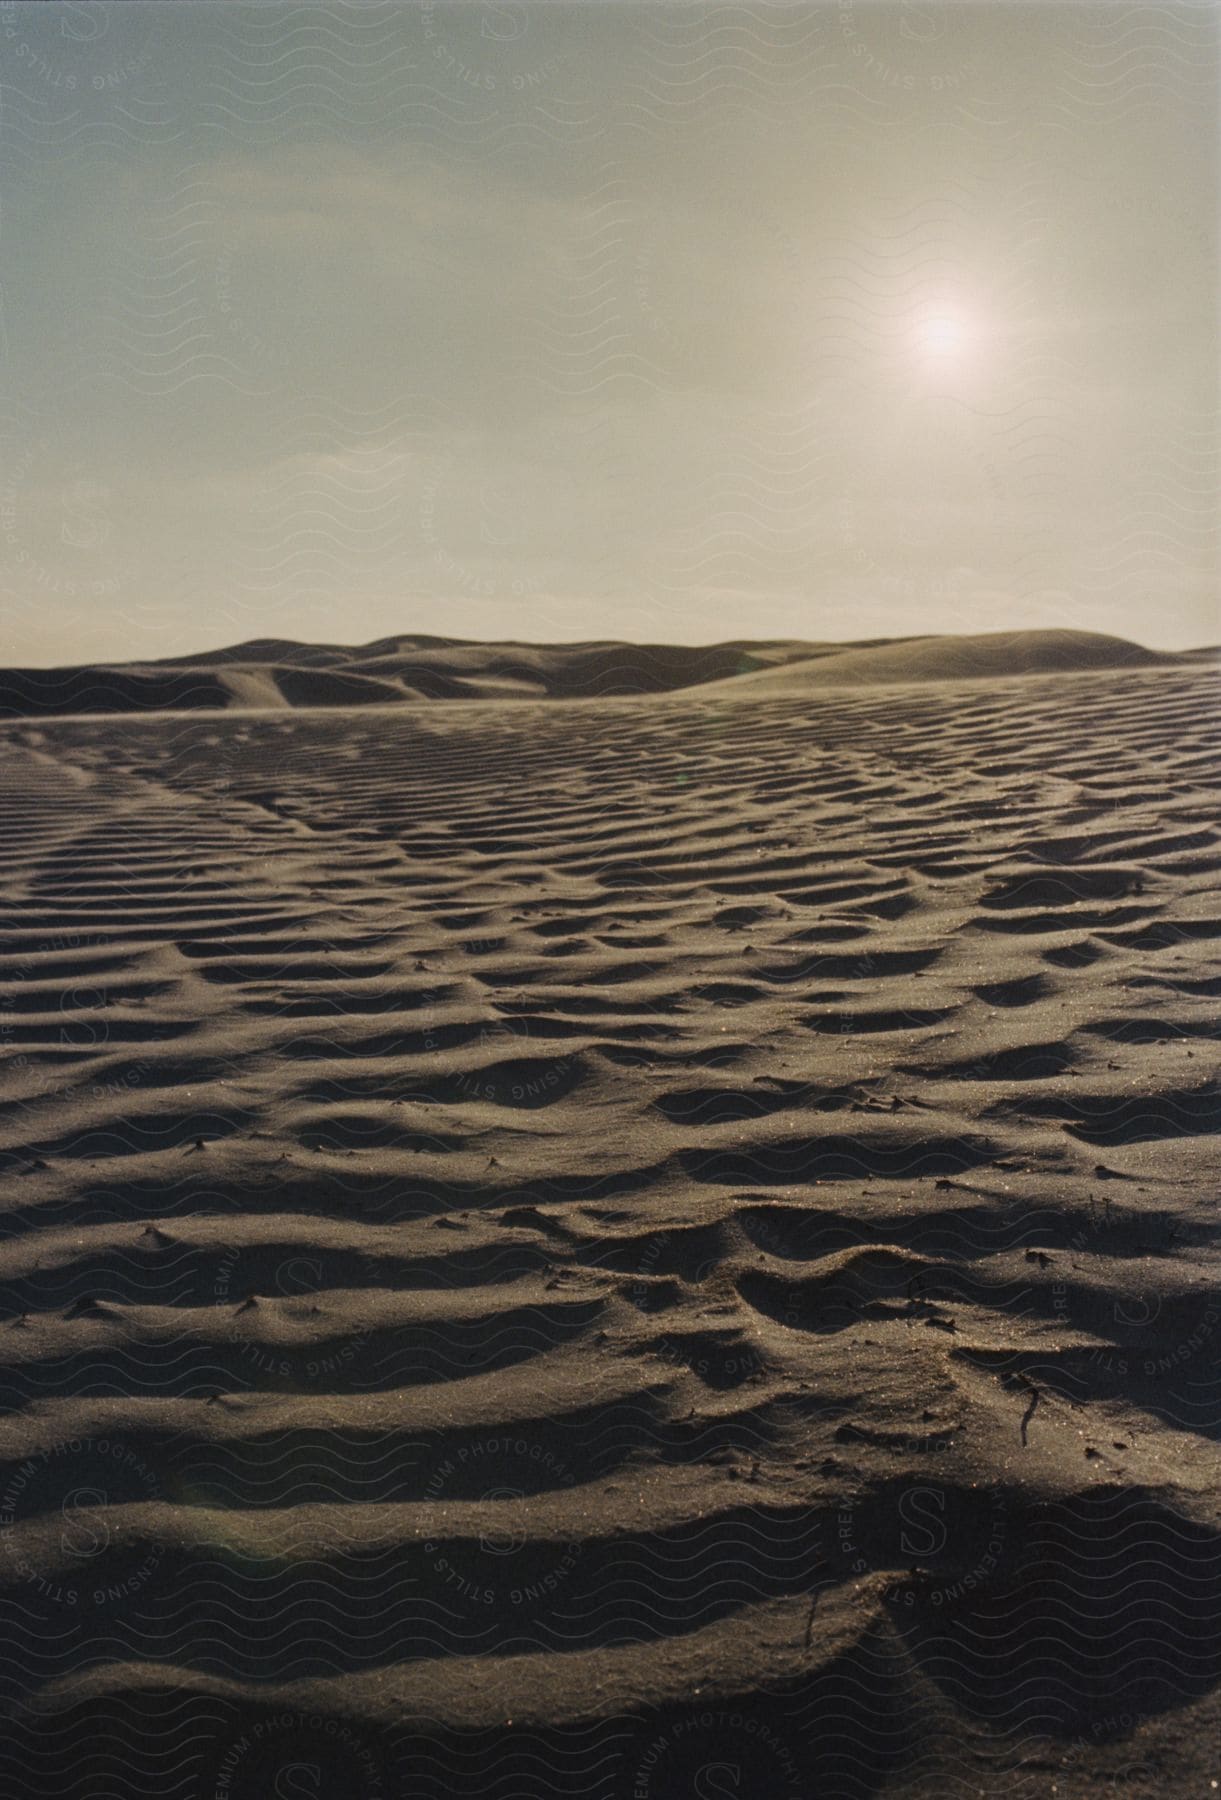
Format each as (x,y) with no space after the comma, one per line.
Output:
(626,1247)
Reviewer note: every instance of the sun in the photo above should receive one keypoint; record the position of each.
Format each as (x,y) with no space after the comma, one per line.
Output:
(944,333)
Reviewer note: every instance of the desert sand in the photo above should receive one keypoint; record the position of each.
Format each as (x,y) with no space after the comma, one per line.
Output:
(612,1221)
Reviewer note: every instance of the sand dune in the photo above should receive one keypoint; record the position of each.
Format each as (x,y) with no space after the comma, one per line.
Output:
(647,1248)
(283,674)
(989,654)
(280,673)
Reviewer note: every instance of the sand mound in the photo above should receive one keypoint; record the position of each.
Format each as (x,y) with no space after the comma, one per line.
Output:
(989,655)
(278,672)
(331,687)
(34,692)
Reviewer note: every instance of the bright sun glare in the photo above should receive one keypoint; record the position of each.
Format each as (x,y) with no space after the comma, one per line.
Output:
(943,334)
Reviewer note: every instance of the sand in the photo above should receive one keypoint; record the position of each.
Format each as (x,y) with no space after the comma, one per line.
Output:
(273,673)
(629,1246)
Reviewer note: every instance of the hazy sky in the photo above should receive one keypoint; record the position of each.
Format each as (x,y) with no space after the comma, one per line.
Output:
(558,321)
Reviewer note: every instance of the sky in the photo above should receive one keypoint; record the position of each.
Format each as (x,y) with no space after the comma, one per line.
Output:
(552,322)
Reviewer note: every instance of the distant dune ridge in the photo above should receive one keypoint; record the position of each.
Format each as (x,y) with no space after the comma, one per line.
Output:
(277,672)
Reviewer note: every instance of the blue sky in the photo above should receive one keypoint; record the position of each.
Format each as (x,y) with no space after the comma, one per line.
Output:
(557,322)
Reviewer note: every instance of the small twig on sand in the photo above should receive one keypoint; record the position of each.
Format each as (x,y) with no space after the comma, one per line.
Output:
(1029,1413)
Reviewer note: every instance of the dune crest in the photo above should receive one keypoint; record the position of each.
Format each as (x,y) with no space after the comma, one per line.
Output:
(279,673)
